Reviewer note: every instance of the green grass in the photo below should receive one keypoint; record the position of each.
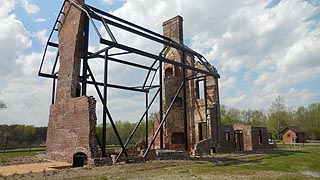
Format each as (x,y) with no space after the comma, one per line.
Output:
(299,160)
(295,164)
(8,156)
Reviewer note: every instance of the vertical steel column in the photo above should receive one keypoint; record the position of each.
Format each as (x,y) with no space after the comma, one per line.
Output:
(218,109)
(85,57)
(185,121)
(206,103)
(147,118)
(105,91)
(161,105)
(53,90)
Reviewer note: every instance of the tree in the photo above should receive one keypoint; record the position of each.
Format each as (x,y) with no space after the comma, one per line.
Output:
(254,118)
(312,121)
(2,105)
(278,117)
(231,117)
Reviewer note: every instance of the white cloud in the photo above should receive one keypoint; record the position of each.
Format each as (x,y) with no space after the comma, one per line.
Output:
(13,39)
(40,20)
(6,7)
(29,7)
(26,95)
(228,84)
(275,47)
(110,2)
(41,35)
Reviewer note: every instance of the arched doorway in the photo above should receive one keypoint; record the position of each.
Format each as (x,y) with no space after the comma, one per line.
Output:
(79,159)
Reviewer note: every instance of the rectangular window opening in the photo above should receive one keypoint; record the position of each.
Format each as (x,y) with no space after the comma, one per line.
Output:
(260,136)
(227,136)
(200,89)
(202,131)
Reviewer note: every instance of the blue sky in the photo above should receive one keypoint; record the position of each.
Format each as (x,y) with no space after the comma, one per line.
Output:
(262,49)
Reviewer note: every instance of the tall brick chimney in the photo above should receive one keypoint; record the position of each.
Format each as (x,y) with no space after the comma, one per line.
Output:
(174,127)
(72,121)
(203,122)
(173,29)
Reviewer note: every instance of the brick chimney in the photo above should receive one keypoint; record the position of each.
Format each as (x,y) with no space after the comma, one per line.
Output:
(71,129)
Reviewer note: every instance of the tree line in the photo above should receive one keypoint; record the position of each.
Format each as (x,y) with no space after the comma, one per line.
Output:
(277,118)
(21,136)
(125,128)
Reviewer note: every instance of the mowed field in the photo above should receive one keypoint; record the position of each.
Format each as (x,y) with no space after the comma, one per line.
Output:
(298,162)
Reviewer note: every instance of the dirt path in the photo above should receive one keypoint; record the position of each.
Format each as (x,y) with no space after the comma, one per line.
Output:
(32,167)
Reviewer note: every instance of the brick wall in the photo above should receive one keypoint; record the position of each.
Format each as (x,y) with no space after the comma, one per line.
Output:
(289,137)
(72,120)
(197,111)
(71,129)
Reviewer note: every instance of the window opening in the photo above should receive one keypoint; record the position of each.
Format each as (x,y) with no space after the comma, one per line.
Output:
(260,136)
(202,131)
(227,136)
(169,72)
(200,89)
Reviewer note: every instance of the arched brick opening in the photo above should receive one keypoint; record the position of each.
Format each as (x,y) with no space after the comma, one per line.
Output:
(79,159)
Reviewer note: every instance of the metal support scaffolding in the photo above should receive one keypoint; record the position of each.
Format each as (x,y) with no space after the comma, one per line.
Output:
(185,120)
(113,49)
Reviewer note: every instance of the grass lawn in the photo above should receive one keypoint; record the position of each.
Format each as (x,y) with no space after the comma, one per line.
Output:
(8,156)
(300,163)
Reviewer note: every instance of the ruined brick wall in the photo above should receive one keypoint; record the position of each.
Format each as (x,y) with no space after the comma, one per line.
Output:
(71,129)
(174,126)
(260,138)
(227,139)
(72,120)
(254,138)
(198,112)
(247,136)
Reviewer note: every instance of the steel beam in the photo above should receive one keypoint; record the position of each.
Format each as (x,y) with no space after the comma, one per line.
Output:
(152,56)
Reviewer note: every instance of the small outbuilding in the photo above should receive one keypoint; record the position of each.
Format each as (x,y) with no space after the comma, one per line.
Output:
(293,134)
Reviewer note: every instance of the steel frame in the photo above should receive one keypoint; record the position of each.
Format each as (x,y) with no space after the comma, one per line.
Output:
(87,77)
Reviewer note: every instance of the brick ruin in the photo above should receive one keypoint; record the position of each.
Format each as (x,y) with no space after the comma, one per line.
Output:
(202,100)
(71,135)
(205,133)
(71,129)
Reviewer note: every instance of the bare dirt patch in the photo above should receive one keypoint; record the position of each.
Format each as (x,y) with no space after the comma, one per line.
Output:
(32,167)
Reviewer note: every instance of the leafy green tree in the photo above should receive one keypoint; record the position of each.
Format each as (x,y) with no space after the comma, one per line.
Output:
(278,117)
(254,117)
(232,116)
(312,121)
(125,128)
(15,136)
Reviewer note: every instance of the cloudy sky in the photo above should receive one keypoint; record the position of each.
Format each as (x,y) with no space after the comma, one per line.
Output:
(261,48)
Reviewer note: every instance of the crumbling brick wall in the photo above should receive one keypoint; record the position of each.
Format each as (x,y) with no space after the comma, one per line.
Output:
(227,139)
(200,112)
(72,120)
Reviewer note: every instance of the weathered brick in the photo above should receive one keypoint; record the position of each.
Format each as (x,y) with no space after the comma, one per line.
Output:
(72,120)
